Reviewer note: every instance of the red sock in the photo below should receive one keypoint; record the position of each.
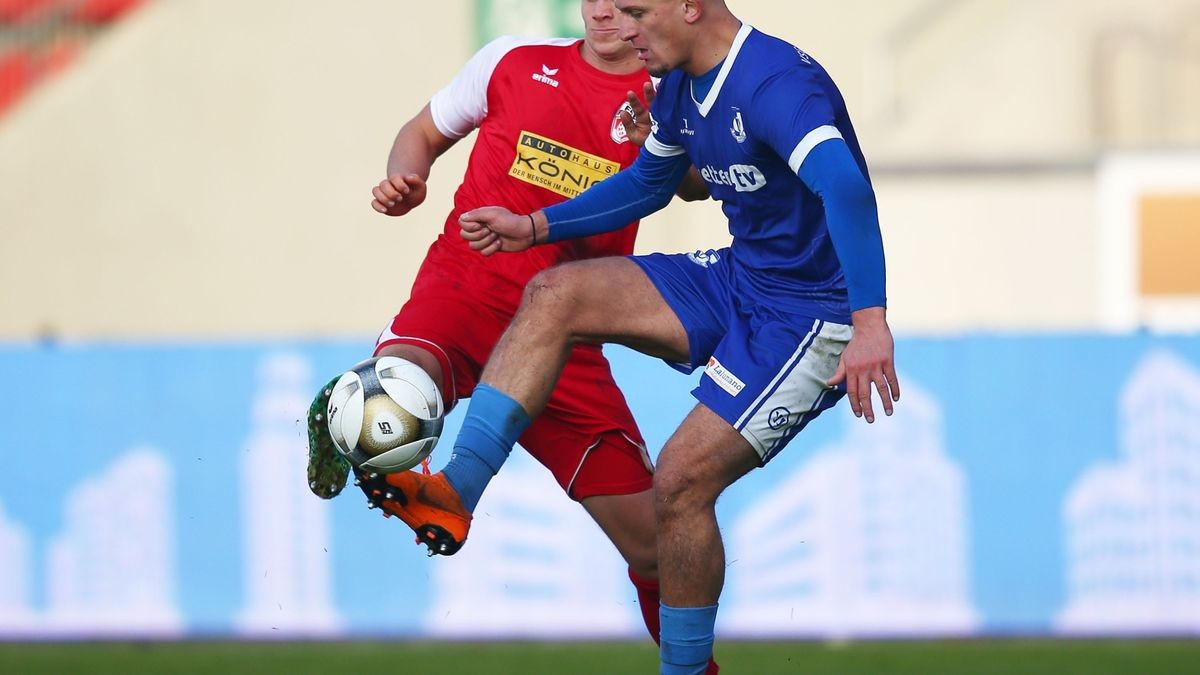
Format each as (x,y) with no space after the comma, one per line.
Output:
(648,597)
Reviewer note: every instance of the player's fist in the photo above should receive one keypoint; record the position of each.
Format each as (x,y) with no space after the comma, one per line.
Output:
(397,195)
(492,229)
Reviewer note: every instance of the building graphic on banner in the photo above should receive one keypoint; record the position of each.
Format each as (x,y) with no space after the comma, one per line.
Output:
(111,571)
(535,566)
(1133,526)
(866,538)
(16,615)
(287,568)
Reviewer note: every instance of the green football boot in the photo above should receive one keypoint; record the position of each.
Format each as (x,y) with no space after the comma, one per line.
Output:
(327,468)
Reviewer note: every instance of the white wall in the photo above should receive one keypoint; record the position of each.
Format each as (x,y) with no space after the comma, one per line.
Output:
(207,166)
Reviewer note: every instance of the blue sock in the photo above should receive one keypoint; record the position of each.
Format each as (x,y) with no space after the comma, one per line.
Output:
(493,424)
(687,639)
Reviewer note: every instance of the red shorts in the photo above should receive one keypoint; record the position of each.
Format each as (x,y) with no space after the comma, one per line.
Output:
(586,436)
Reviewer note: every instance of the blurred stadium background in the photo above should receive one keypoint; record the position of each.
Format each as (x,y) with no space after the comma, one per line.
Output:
(181,177)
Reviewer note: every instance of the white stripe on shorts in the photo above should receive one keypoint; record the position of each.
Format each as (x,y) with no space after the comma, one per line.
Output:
(796,390)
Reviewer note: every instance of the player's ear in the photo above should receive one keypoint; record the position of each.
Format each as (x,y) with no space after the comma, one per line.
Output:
(692,10)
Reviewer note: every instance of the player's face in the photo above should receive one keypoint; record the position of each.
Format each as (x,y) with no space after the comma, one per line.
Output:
(601,30)
(653,27)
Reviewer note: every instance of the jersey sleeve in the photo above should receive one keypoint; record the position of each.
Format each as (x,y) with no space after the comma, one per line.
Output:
(799,116)
(663,141)
(459,107)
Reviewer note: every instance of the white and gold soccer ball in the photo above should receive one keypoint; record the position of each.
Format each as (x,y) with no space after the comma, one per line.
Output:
(385,414)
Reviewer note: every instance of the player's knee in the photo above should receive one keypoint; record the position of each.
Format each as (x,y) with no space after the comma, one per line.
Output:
(553,293)
(680,489)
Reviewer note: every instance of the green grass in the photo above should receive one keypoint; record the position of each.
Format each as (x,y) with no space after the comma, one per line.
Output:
(968,657)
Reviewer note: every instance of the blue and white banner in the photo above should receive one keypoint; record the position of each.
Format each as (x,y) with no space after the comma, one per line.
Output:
(1025,484)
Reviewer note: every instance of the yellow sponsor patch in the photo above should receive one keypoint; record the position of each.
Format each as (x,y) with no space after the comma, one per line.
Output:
(558,167)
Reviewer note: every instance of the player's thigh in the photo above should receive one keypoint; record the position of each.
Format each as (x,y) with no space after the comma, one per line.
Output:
(610,300)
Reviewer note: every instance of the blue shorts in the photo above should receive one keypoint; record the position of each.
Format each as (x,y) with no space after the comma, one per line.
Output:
(765,370)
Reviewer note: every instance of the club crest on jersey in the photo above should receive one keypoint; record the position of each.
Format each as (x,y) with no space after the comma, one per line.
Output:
(547,76)
(618,134)
(704,258)
(739,127)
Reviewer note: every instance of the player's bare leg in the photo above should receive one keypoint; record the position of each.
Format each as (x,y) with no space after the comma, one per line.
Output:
(603,300)
(623,518)
(702,458)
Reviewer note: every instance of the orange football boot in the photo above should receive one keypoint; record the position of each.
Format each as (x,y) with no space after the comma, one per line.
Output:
(428,504)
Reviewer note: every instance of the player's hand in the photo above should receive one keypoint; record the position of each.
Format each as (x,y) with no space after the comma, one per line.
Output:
(397,195)
(868,360)
(493,228)
(638,126)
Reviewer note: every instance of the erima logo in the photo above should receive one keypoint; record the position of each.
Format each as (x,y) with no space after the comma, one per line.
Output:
(724,379)
(686,130)
(547,76)
(741,177)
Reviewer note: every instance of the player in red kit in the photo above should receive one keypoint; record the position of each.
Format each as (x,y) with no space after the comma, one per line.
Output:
(553,118)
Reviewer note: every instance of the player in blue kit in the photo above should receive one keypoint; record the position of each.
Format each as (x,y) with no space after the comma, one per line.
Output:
(785,321)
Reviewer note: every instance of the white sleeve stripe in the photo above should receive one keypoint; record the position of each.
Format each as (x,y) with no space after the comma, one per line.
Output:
(460,106)
(444,126)
(657,147)
(813,139)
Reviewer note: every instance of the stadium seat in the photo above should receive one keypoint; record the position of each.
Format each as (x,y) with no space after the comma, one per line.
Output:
(16,11)
(17,72)
(102,11)
(59,56)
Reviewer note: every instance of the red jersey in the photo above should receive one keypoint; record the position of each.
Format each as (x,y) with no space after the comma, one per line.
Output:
(548,129)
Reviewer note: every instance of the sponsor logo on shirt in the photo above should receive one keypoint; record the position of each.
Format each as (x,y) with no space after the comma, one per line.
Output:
(558,167)
(724,379)
(547,76)
(738,129)
(741,177)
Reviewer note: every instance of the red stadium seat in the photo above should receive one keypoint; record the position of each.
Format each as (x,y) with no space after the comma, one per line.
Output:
(102,11)
(15,11)
(17,72)
(59,56)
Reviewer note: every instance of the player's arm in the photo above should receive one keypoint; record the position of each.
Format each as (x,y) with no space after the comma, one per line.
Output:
(418,144)
(832,173)
(634,193)
(638,127)
(803,132)
(452,113)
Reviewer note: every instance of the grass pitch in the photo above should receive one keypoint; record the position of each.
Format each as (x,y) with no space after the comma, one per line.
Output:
(967,657)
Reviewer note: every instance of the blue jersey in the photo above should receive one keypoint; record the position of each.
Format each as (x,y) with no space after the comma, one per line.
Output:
(769,106)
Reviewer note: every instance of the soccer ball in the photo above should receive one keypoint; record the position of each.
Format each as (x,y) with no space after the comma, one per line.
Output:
(385,414)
